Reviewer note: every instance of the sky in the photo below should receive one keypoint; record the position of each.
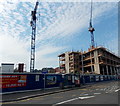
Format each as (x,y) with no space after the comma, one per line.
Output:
(61,27)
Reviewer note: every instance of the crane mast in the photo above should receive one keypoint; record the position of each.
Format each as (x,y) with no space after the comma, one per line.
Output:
(33,25)
(91,29)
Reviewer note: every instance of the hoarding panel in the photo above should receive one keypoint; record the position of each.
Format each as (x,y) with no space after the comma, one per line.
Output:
(51,80)
(101,78)
(97,78)
(10,81)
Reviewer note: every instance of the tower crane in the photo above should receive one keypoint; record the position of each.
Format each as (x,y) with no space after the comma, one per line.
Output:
(91,29)
(33,25)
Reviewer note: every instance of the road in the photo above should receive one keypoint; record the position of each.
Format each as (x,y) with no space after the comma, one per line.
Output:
(100,93)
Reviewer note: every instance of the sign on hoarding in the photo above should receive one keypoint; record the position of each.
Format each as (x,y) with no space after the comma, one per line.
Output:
(73,79)
(37,78)
(106,77)
(91,78)
(101,78)
(97,78)
(77,81)
(10,81)
(51,80)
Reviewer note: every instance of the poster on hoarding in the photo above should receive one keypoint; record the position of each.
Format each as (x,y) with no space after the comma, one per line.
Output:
(73,79)
(91,78)
(51,80)
(97,78)
(101,78)
(37,78)
(10,81)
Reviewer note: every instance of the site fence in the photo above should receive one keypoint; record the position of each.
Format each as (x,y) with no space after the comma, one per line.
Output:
(10,82)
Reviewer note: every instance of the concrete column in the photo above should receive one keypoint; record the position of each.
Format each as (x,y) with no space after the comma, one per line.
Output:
(114,71)
(103,70)
(107,70)
(67,62)
(59,63)
(82,64)
(91,63)
(111,70)
(96,64)
(117,70)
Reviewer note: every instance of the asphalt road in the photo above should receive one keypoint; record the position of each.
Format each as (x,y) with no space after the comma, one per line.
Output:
(100,93)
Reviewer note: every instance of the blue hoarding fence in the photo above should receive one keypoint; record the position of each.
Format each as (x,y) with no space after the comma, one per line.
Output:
(31,81)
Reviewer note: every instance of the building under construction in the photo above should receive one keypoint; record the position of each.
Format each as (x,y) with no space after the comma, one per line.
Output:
(97,60)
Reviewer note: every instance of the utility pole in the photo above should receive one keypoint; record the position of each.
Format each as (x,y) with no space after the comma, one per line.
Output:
(33,25)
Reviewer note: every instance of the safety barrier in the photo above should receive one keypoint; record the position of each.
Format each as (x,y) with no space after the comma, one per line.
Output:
(11,82)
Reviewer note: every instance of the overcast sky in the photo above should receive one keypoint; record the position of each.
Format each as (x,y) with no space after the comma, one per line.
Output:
(61,27)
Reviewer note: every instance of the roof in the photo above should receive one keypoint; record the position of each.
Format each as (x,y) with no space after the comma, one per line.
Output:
(90,50)
(7,63)
(103,48)
(61,55)
(74,52)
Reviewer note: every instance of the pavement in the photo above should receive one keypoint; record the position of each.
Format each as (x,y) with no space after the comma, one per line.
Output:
(16,96)
(102,92)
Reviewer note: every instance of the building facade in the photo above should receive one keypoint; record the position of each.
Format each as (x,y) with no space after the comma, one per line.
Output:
(97,60)
(69,62)
(7,68)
